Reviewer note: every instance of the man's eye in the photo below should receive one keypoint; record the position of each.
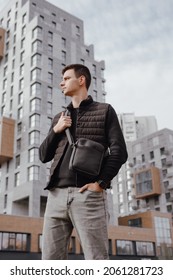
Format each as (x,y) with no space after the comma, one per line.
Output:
(67,78)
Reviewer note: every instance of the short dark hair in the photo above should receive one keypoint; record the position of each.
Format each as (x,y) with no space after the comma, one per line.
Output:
(80,70)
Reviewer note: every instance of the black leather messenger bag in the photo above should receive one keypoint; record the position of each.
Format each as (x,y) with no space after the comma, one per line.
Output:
(87,155)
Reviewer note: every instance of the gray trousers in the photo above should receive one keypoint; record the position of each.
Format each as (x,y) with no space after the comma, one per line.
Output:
(86,212)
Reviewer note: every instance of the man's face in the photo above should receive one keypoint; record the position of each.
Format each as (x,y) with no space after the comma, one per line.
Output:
(70,84)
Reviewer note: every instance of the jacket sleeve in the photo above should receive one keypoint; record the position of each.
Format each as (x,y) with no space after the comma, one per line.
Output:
(117,147)
(49,145)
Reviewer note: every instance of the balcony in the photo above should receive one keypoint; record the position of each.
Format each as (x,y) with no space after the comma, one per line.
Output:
(170,175)
(169,163)
(170,187)
(6,139)
(147,182)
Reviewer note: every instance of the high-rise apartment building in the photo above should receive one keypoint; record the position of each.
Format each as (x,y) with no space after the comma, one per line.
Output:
(151,158)
(37,39)
(133,128)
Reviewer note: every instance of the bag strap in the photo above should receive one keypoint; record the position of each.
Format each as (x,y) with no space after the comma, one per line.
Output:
(68,133)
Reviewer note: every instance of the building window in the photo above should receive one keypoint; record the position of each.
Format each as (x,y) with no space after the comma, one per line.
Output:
(164,173)
(125,247)
(49,93)
(2,110)
(36,45)
(135,222)
(166,184)
(16,179)
(4,84)
(17,165)
(18,145)
(33,155)
(14,39)
(151,155)
(24,30)
(20,98)
(34,120)
(121,209)
(8,34)
(87,52)
(33,173)
(162,151)
(145,248)
(19,128)
(15,26)
(169,208)
(22,43)
(63,43)
(34,137)
(35,104)
(22,56)
(163,230)
(53,24)
(6,183)
(12,241)
(24,18)
(94,69)
(36,59)
(41,18)
(35,89)
(12,77)
(11,91)
(21,84)
(163,161)
(50,50)
(95,83)
(35,74)
(120,198)
(50,63)
(22,70)
(7,46)
(16,14)
(63,55)
(5,201)
(36,32)
(78,30)
(14,51)
(13,63)
(4,97)
(49,108)
(6,58)
(143,182)
(20,113)
(50,78)
(50,36)
(143,158)
(49,121)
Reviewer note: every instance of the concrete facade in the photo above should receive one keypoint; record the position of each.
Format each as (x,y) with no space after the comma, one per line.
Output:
(40,39)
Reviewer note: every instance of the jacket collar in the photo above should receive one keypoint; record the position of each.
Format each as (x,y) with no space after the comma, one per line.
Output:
(84,103)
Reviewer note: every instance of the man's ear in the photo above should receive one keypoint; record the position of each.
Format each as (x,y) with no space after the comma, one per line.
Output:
(82,80)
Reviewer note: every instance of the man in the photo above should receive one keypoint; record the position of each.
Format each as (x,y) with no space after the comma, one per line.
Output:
(75,200)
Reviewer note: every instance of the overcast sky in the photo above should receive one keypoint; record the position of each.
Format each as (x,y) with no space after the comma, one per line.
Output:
(135,38)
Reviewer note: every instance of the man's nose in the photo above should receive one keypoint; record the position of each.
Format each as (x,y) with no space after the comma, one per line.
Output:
(61,83)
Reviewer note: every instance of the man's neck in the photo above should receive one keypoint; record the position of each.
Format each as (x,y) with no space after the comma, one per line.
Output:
(77,99)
